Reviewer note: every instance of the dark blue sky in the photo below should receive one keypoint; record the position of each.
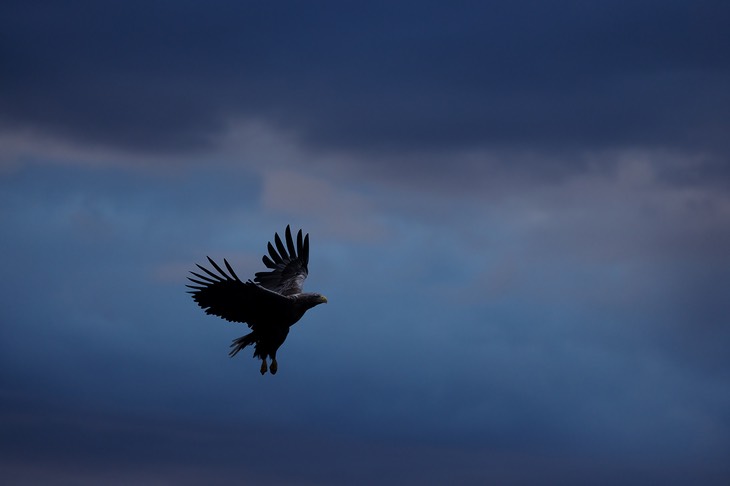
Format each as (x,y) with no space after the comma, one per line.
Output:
(519,212)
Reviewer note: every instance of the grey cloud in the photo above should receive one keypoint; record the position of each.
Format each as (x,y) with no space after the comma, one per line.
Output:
(189,452)
(542,379)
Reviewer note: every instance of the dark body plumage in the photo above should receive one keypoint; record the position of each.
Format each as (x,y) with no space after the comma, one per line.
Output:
(269,304)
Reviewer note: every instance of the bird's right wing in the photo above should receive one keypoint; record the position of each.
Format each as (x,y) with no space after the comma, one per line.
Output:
(288,265)
(228,297)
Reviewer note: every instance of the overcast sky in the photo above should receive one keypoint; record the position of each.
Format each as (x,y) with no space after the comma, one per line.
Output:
(519,212)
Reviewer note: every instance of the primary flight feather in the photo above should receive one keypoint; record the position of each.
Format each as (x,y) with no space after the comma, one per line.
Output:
(270,304)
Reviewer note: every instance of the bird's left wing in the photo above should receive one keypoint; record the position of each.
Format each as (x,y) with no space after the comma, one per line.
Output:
(228,297)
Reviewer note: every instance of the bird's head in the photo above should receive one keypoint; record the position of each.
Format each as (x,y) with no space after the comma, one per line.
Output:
(312,299)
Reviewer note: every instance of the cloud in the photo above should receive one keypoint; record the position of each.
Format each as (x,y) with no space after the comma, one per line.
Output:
(339,209)
(396,80)
(570,356)
(518,211)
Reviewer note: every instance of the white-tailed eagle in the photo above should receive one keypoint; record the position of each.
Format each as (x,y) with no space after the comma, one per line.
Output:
(270,304)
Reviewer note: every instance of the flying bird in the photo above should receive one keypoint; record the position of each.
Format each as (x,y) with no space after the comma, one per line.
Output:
(270,304)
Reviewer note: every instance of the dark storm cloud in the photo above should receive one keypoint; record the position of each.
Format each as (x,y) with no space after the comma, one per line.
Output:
(371,76)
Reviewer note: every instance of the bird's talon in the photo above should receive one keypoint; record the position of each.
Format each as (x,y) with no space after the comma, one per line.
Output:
(263,367)
(274,367)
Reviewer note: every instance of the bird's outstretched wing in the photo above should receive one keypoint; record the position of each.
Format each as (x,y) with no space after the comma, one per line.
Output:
(228,297)
(288,265)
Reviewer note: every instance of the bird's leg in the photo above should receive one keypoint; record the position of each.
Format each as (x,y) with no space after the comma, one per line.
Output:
(274,367)
(263,365)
